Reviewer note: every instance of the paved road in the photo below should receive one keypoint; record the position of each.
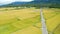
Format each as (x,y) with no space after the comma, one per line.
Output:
(44,29)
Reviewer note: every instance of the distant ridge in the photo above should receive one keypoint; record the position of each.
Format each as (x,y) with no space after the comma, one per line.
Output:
(35,2)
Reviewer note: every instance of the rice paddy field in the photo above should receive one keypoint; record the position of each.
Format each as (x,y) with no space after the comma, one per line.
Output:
(52,17)
(20,21)
(27,20)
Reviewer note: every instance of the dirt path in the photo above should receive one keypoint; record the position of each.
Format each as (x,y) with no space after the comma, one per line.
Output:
(44,29)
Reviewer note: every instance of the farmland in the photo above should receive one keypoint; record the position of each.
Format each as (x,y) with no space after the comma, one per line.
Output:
(20,21)
(52,17)
(27,20)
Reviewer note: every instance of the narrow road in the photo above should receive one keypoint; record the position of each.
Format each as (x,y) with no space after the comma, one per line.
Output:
(44,29)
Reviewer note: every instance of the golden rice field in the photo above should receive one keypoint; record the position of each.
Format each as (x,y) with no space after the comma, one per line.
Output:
(20,21)
(52,17)
(27,21)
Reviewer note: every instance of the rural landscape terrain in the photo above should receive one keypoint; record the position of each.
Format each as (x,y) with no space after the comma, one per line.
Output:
(19,21)
(52,17)
(28,21)
(27,17)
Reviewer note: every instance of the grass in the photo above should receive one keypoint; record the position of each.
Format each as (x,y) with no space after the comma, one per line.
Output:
(11,27)
(15,20)
(52,17)
(29,30)
(57,30)
(27,23)
(6,29)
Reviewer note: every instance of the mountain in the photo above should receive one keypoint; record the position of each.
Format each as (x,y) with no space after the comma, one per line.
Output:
(18,3)
(21,3)
(35,3)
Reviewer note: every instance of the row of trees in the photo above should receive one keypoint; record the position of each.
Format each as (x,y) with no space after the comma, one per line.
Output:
(50,5)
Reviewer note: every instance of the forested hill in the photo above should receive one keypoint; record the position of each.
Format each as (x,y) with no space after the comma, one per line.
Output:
(35,3)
